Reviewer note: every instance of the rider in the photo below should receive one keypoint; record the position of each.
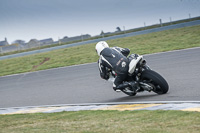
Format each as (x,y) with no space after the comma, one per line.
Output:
(114,58)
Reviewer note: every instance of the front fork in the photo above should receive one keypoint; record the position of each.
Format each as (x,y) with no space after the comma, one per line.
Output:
(142,85)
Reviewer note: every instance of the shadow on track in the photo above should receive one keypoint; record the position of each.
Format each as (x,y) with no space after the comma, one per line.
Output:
(133,98)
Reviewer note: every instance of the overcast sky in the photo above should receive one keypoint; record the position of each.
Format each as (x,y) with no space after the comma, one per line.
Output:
(41,19)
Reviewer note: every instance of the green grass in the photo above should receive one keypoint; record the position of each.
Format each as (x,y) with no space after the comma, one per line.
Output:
(142,44)
(102,122)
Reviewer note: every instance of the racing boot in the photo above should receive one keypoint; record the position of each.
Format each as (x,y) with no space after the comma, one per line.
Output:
(121,86)
(133,86)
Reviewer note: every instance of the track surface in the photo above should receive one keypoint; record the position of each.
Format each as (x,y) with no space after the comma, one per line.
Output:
(82,84)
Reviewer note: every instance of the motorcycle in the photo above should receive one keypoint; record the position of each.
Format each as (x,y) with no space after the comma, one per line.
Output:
(143,77)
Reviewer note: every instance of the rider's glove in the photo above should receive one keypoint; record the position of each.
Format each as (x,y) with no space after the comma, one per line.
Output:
(105,76)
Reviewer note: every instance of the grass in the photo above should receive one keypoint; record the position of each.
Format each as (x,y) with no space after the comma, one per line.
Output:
(102,122)
(142,44)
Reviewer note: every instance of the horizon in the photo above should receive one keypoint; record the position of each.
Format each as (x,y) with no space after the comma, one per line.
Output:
(110,32)
(35,19)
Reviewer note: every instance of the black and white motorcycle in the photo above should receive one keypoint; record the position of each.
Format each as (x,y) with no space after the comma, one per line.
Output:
(145,79)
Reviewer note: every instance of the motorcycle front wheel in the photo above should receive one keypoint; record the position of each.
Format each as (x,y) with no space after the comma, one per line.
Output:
(160,85)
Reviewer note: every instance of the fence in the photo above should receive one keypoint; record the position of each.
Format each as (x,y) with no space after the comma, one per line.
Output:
(13,48)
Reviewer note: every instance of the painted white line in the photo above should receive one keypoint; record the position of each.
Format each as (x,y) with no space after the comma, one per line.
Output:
(178,50)
(47,70)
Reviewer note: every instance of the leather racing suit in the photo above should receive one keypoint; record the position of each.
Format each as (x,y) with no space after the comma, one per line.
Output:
(114,58)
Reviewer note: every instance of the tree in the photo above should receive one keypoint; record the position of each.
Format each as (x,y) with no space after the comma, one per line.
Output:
(118,29)
(102,33)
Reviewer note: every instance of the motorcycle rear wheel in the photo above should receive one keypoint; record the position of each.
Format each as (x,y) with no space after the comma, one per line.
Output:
(160,85)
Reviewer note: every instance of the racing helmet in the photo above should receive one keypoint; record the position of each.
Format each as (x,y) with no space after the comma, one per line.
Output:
(100,46)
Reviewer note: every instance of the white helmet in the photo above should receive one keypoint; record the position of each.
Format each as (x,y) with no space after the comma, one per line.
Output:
(100,46)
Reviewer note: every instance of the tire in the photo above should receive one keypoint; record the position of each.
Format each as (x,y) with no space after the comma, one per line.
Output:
(160,85)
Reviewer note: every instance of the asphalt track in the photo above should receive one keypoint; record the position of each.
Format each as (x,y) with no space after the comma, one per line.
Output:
(82,84)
